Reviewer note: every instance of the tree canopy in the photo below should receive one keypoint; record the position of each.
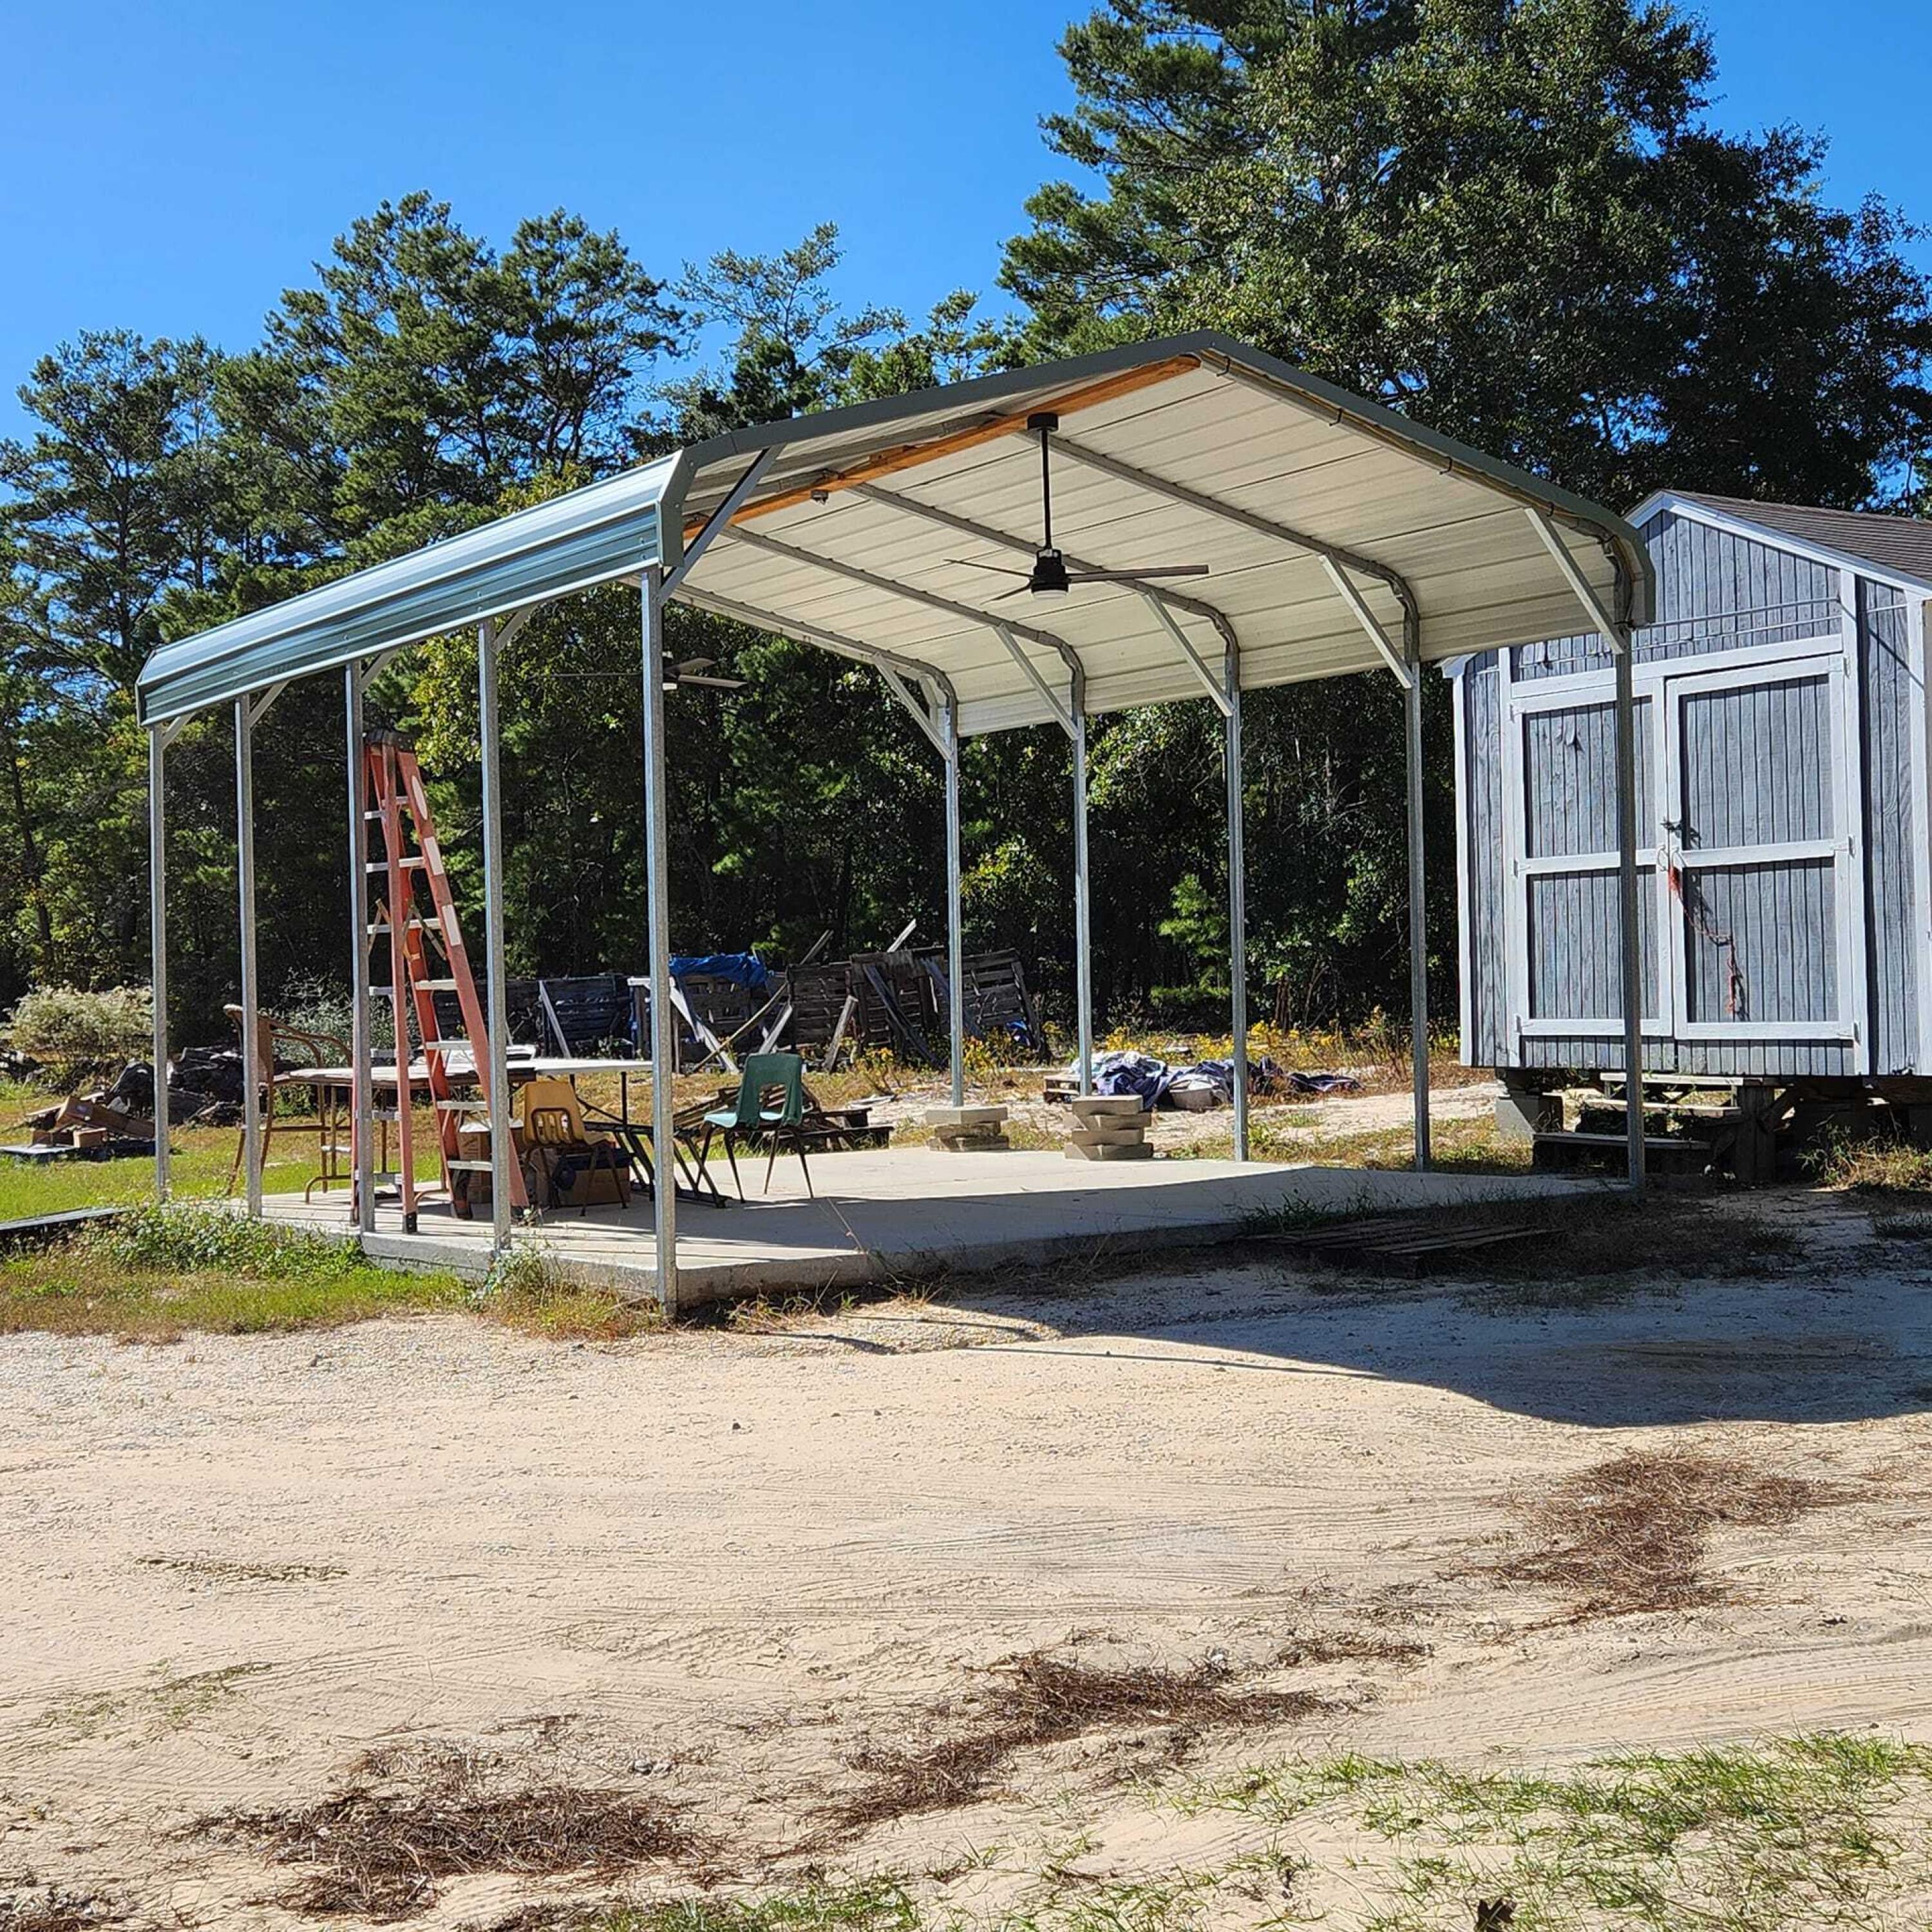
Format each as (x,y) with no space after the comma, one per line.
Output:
(1510,218)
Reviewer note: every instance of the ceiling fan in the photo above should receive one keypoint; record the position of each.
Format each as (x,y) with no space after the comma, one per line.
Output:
(1049,576)
(690,670)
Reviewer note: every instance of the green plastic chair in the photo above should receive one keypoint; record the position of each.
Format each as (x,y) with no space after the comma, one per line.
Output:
(764,1072)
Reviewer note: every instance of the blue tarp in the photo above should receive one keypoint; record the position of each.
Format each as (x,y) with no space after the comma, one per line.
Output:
(742,969)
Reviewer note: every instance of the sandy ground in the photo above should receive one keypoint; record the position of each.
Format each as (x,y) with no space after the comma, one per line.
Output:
(718,1565)
(1172,1127)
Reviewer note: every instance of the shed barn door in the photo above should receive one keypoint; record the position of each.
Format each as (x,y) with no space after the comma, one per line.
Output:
(1760,840)
(1567,972)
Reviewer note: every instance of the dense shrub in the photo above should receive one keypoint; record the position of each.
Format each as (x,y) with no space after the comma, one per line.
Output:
(170,1236)
(78,1036)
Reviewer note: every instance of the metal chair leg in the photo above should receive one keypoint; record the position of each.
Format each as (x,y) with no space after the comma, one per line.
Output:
(804,1166)
(731,1155)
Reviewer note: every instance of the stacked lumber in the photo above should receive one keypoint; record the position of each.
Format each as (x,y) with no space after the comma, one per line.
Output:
(968,1130)
(1111,1126)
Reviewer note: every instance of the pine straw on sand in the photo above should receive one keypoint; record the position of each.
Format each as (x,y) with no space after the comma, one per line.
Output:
(1039,1699)
(53,1910)
(1631,1533)
(405,1819)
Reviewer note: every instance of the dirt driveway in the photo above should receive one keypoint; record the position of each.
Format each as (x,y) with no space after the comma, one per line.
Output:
(748,1573)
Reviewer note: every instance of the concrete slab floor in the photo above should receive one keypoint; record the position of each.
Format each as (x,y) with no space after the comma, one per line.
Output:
(910,1213)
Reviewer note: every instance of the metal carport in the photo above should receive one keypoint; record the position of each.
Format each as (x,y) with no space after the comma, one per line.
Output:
(1339,536)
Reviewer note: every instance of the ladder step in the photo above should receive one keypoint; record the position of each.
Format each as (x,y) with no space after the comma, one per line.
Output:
(430,925)
(412,862)
(445,1046)
(466,1167)
(462,1106)
(436,985)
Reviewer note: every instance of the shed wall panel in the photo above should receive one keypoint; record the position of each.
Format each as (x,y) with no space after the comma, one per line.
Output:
(1482,804)
(1891,816)
(1715,592)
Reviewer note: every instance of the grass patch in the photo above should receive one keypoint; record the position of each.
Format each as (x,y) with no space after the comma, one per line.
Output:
(1871,1163)
(1469,1145)
(1036,1700)
(407,1820)
(527,1291)
(200,1161)
(1631,1533)
(1805,1832)
(872,1905)
(162,1271)
(168,1703)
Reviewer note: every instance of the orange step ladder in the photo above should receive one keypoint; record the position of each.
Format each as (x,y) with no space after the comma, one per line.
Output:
(412,865)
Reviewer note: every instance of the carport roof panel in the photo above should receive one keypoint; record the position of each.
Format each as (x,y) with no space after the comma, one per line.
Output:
(1194,448)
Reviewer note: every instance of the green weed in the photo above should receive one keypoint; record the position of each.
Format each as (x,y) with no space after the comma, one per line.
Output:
(1814,1830)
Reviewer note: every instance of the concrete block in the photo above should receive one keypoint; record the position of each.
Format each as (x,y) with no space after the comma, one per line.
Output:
(1103,1133)
(1107,1103)
(965,1117)
(1110,1150)
(1522,1117)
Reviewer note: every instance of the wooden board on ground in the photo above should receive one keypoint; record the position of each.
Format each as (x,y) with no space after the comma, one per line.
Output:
(1410,1244)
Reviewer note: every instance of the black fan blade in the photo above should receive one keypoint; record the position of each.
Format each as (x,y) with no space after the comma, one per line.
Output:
(1017,590)
(1135,576)
(688,665)
(997,569)
(713,683)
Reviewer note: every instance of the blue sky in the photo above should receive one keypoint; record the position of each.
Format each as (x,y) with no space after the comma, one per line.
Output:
(172,167)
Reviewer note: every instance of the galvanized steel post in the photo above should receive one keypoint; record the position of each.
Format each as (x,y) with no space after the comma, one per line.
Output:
(1237,902)
(362,1077)
(1083,939)
(157,920)
(1418,909)
(657,899)
(955,945)
(1627,895)
(245,886)
(497,991)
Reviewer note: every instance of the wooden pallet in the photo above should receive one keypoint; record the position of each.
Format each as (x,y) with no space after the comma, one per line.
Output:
(1407,1244)
(37,1230)
(1663,1153)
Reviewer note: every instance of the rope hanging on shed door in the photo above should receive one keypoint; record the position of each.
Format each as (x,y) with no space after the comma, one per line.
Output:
(1737,988)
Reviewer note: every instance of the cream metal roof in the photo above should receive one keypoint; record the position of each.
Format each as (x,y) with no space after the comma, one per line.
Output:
(1192,450)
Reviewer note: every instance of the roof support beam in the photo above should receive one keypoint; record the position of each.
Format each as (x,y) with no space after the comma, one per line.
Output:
(989,429)
(1063,712)
(1405,672)
(508,627)
(892,587)
(802,633)
(1223,700)
(1232,513)
(1599,613)
(891,499)
(719,520)
(915,711)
